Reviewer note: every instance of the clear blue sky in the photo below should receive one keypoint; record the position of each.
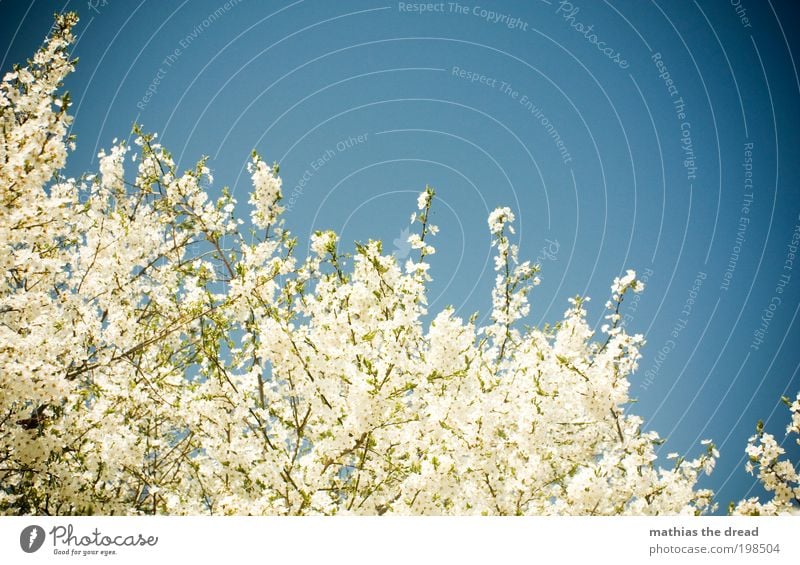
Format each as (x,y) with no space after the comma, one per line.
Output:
(618,131)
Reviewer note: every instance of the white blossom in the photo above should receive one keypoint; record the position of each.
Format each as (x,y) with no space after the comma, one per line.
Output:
(156,360)
(424,199)
(323,243)
(266,192)
(499,218)
(111,167)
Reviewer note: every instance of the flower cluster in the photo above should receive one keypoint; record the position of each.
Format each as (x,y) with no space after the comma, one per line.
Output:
(778,476)
(154,359)
(266,192)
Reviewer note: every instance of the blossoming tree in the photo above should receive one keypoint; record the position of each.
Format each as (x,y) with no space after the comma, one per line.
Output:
(160,355)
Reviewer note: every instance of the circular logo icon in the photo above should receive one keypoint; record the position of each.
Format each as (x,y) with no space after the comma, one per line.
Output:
(31,539)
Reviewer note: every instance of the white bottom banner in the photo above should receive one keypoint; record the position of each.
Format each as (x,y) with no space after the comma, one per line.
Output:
(354,540)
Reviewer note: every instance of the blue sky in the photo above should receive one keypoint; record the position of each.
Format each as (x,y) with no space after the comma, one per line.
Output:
(625,135)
